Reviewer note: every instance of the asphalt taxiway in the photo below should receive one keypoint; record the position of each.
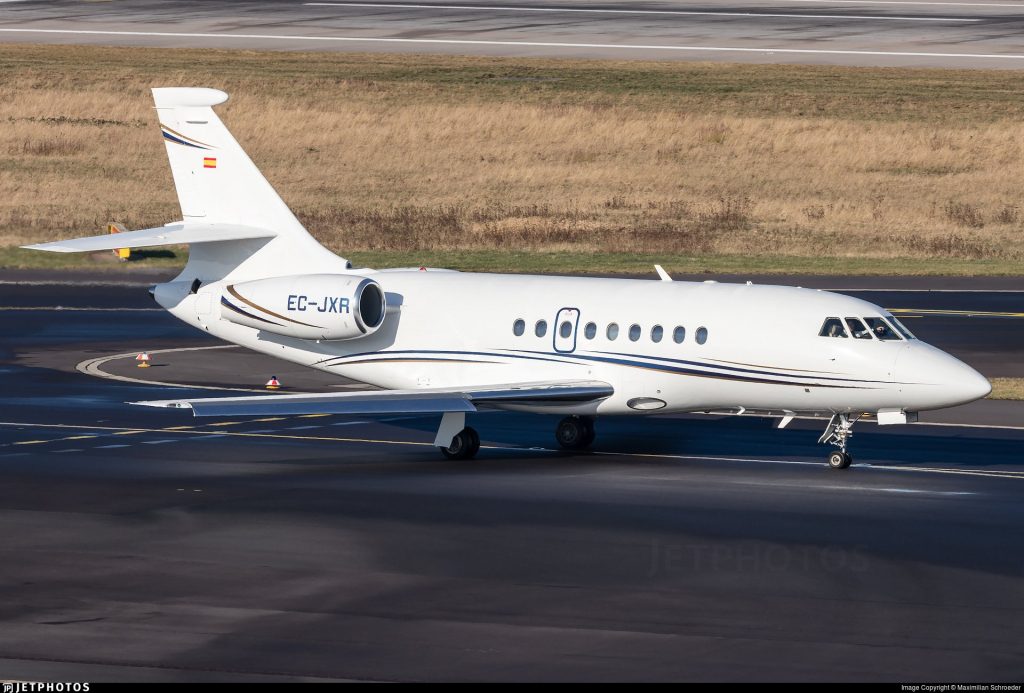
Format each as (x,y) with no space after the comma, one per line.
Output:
(144,544)
(967,33)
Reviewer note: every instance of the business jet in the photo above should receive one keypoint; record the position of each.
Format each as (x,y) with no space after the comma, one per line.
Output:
(444,342)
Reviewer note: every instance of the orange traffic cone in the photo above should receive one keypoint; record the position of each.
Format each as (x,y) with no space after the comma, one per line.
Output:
(273,383)
(143,360)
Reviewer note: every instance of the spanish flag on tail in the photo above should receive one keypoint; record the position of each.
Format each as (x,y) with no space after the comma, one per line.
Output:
(209,162)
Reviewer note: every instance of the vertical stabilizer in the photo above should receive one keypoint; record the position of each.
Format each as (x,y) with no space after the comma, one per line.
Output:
(215,179)
(218,184)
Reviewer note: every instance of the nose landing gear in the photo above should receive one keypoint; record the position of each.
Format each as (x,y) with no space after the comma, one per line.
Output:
(838,432)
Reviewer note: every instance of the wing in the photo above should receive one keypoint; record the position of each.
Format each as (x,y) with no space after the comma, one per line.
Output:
(428,401)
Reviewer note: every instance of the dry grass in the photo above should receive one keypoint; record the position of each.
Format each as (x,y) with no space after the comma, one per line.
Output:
(1007,388)
(378,153)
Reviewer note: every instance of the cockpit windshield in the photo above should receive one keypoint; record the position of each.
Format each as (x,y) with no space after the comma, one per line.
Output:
(887,330)
(833,327)
(900,327)
(857,328)
(883,330)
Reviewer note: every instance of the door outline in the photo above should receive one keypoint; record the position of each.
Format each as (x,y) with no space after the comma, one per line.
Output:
(565,345)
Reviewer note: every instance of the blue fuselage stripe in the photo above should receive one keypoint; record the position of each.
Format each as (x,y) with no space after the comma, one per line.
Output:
(227,304)
(632,363)
(178,140)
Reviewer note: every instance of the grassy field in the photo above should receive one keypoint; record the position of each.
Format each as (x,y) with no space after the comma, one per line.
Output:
(486,163)
(1007,388)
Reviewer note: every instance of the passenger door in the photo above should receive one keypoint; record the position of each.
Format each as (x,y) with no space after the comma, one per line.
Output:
(566,323)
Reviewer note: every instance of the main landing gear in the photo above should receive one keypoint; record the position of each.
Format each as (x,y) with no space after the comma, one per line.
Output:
(464,446)
(455,439)
(575,432)
(838,432)
(572,433)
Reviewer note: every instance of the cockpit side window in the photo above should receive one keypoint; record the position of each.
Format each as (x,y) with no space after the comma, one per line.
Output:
(833,327)
(883,330)
(900,327)
(857,328)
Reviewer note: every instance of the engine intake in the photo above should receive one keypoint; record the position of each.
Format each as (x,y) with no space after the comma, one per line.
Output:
(317,306)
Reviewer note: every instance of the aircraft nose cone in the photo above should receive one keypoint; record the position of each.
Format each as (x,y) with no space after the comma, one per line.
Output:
(973,384)
(934,379)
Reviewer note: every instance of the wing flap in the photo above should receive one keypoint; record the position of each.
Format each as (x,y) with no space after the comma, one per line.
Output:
(435,401)
(172,234)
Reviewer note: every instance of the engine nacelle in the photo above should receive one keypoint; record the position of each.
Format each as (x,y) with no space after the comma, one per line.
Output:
(315,306)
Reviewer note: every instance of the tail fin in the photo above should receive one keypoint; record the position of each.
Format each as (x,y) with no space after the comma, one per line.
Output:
(232,217)
(215,179)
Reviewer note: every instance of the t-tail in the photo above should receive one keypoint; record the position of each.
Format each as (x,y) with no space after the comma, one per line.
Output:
(235,223)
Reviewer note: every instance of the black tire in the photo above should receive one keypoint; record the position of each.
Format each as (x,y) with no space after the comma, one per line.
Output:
(590,433)
(839,460)
(464,445)
(474,443)
(574,432)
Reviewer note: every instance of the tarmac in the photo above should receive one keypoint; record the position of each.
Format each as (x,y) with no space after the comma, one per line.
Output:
(145,544)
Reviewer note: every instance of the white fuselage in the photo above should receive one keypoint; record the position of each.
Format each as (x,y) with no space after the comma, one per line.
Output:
(759,350)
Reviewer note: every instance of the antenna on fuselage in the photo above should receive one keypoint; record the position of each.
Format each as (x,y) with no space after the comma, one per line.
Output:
(662,273)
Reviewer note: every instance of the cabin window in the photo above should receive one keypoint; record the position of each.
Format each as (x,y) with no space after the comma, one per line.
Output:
(833,327)
(701,335)
(590,331)
(679,334)
(541,328)
(565,329)
(657,332)
(883,330)
(900,327)
(857,328)
(613,332)
(519,327)
(634,332)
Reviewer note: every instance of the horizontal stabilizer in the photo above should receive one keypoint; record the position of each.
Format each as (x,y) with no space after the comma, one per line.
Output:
(395,401)
(172,234)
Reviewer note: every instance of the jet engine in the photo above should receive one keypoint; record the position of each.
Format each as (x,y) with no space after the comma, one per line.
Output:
(317,306)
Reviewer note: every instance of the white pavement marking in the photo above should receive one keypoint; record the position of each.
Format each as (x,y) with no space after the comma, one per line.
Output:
(967,425)
(869,489)
(525,44)
(911,2)
(945,470)
(988,473)
(93,367)
(936,291)
(72,282)
(822,418)
(577,10)
(933,470)
(108,447)
(84,309)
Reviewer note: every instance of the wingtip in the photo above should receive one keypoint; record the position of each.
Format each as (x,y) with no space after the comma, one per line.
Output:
(49,247)
(163,403)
